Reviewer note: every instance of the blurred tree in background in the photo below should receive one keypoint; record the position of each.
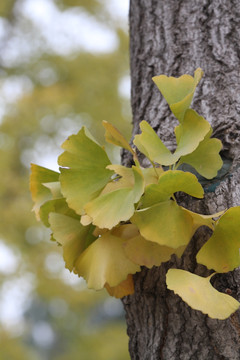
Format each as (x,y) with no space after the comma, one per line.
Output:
(63,64)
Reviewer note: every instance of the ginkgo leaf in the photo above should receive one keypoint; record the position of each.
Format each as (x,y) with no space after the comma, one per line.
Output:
(84,172)
(221,251)
(165,223)
(178,92)
(198,293)
(147,253)
(55,189)
(152,147)
(73,237)
(126,287)
(113,136)
(151,175)
(203,220)
(40,193)
(170,182)
(125,231)
(205,159)
(104,261)
(116,202)
(59,206)
(190,133)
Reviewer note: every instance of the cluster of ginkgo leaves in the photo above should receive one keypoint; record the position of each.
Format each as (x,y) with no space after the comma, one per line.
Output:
(111,220)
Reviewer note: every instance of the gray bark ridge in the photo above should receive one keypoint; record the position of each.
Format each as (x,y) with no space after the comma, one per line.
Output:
(174,38)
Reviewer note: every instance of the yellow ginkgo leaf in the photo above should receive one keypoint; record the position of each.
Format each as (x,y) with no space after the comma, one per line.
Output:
(113,136)
(151,175)
(203,220)
(125,231)
(39,179)
(104,261)
(147,253)
(198,293)
(165,223)
(178,92)
(126,287)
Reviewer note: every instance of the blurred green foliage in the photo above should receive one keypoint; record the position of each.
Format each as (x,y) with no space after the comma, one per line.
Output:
(61,319)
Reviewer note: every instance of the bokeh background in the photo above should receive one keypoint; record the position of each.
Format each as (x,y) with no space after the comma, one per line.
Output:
(63,64)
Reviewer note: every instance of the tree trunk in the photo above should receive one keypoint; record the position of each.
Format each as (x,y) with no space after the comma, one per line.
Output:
(175,37)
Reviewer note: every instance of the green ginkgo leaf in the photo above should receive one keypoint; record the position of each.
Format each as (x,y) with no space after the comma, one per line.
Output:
(170,182)
(221,251)
(198,293)
(113,136)
(190,133)
(147,253)
(40,193)
(165,223)
(104,261)
(152,147)
(83,172)
(116,202)
(59,206)
(205,159)
(73,237)
(178,92)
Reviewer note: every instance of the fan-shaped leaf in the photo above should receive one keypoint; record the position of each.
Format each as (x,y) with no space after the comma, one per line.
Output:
(152,147)
(55,189)
(39,179)
(113,136)
(203,220)
(125,288)
(104,261)
(205,159)
(221,251)
(170,182)
(165,223)
(73,236)
(84,172)
(116,202)
(178,92)
(151,175)
(190,133)
(198,293)
(59,206)
(125,231)
(148,253)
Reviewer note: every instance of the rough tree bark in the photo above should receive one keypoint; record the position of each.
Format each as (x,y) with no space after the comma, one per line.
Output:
(175,37)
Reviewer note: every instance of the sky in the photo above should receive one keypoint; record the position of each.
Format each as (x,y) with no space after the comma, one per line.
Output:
(56,32)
